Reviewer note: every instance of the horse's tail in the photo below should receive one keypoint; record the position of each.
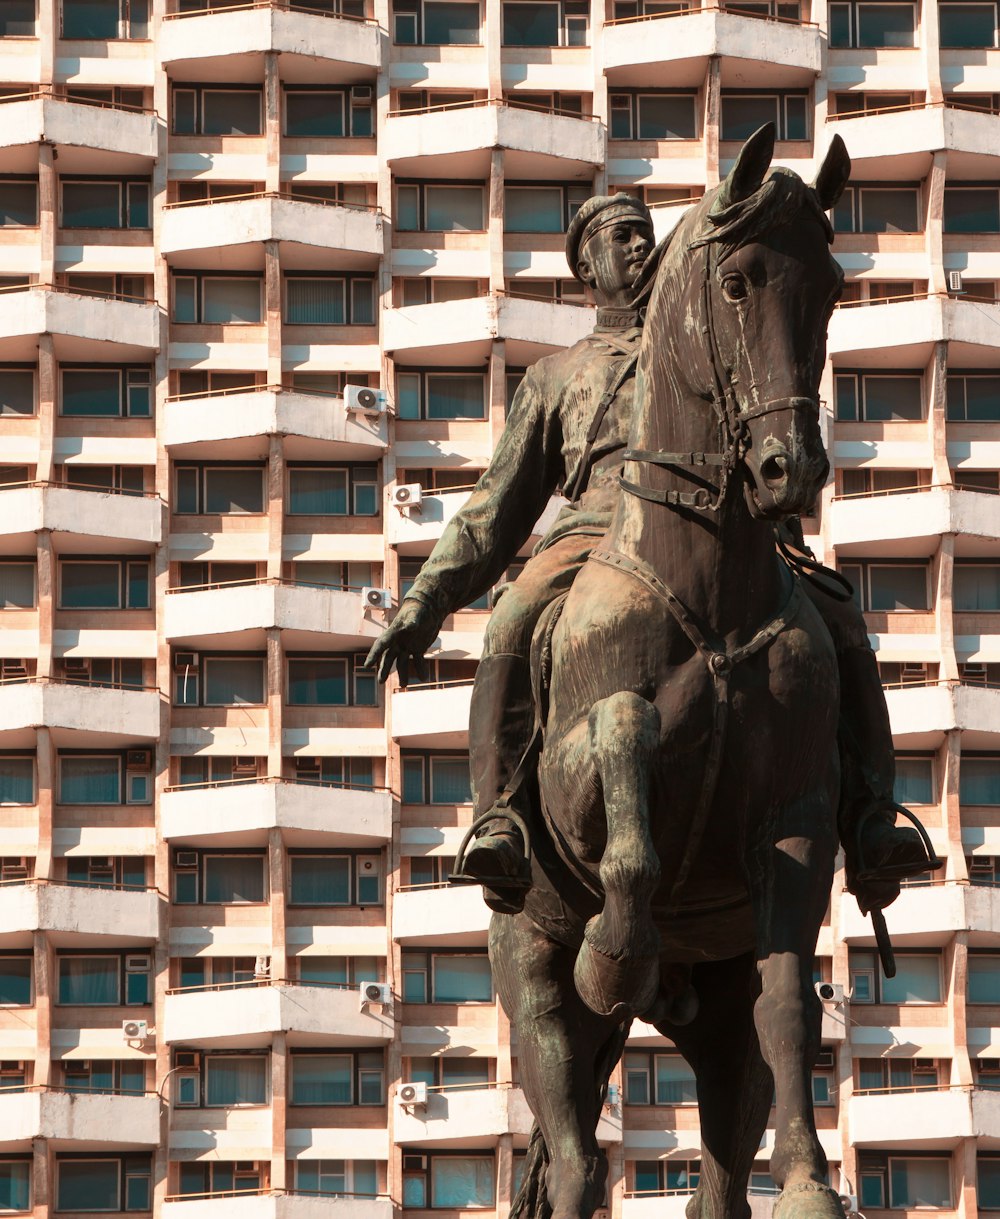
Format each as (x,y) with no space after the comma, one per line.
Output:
(531,1201)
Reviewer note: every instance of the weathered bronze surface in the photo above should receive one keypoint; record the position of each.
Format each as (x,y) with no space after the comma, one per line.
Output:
(710,717)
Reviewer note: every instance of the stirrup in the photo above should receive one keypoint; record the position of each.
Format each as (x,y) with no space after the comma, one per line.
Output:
(499,812)
(930,863)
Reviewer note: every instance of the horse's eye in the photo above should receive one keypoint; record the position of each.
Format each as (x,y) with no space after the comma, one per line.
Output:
(735,287)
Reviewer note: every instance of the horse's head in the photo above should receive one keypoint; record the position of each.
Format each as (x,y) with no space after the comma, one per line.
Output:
(768,286)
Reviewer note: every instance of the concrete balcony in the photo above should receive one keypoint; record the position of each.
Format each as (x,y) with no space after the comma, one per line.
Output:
(432,717)
(274,410)
(932,1120)
(80,715)
(538,144)
(77,915)
(188,40)
(925,915)
(415,530)
(81,513)
(243,613)
(876,524)
(78,1121)
(460,332)
(232,229)
(901,333)
(276,1206)
(899,144)
(920,715)
(673,1205)
(682,44)
(244,812)
(248,1016)
(85,327)
(98,138)
(449,915)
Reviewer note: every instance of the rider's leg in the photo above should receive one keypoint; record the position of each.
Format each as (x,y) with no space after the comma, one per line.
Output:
(868,763)
(565,1054)
(503,715)
(734,1083)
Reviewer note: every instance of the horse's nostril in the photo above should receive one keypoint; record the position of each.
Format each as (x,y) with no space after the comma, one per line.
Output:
(774,469)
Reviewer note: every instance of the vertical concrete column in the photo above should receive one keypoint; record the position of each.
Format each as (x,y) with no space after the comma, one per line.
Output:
(599,108)
(46,578)
(494,221)
(616,1177)
(950,761)
(275,689)
(279,1108)
(48,204)
(44,983)
(275,505)
(505,1175)
(966,1198)
(48,393)
(935,220)
(276,880)
(713,116)
(943,606)
(41,1203)
(930,45)
(45,765)
(493,42)
(819,14)
(956,971)
(272,120)
(272,311)
(936,376)
(47,27)
(496,389)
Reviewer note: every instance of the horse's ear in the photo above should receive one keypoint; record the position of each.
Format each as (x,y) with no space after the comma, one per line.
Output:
(833,174)
(751,166)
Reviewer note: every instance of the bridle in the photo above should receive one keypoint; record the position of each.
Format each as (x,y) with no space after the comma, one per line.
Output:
(733,421)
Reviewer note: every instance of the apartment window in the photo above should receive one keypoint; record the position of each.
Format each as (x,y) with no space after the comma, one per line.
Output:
(333,491)
(235,1079)
(974,397)
(889,587)
(743,113)
(17,778)
(914,781)
(335,772)
(436,779)
(216,111)
(106,1183)
(448,1073)
(17,20)
(440,208)
(328,113)
(219,878)
(215,771)
(106,393)
(216,973)
(658,1079)
(343,576)
(18,203)
(104,584)
(101,19)
(93,204)
(666,1176)
(452,1181)
(979,780)
(106,980)
(437,22)
(541,209)
(878,397)
(338,1079)
(967,25)
(17,391)
(864,24)
(447,977)
(882,482)
(971,209)
(984,977)
(543,23)
(349,879)
(334,1177)
(331,681)
(218,681)
(904,1182)
(126,480)
(345,972)
(105,1077)
(215,575)
(106,872)
(15,1184)
(218,300)
(897,1074)
(653,116)
(316,301)
(218,1177)
(977,587)
(191,383)
(917,980)
(15,981)
(17,585)
(987,1182)
(428,870)
(878,209)
(224,489)
(440,395)
(97,779)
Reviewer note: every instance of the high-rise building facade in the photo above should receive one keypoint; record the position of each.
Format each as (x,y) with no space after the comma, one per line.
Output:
(232,975)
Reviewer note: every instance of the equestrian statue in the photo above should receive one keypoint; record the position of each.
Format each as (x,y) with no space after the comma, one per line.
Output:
(677,715)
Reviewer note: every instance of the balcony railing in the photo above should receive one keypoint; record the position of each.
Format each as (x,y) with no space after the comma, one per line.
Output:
(728,8)
(279,5)
(78,681)
(69,290)
(260,780)
(907,107)
(270,581)
(512,103)
(270,1192)
(47,91)
(257,982)
(269,194)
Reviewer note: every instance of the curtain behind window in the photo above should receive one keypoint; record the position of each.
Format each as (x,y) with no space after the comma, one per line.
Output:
(17,781)
(231,682)
(462,1181)
(317,492)
(321,1079)
(234,878)
(450,781)
(321,880)
(88,980)
(462,979)
(979,781)
(15,1191)
(90,780)
(17,585)
(315,302)
(674,1081)
(236,1081)
(89,1185)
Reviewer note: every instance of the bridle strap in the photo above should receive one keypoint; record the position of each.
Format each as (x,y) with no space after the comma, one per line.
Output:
(779,404)
(676,499)
(658,457)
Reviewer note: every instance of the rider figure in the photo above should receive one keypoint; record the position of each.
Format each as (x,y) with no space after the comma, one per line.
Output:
(567,429)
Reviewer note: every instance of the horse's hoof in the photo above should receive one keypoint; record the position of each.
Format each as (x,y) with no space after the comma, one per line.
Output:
(615,989)
(808,1200)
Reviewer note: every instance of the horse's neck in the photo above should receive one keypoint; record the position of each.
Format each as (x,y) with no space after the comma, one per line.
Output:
(720,564)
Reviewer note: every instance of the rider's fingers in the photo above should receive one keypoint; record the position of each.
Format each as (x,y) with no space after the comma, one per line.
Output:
(375,655)
(386,662)
(420,666)
(403,669)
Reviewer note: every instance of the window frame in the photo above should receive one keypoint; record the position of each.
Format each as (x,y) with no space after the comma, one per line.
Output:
(125,187)
(358,1073)
(873,972)
(129,378)
(199,93)
(861,378)
(423,378)
(200,279)
(355,859)
(854,42)
(122,972)
(357,477)
(203,471)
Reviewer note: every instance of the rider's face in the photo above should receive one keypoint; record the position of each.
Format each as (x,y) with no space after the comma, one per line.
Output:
(612,259)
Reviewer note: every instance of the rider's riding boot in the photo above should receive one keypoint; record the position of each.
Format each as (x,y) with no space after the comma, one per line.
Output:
(500,724)
(878,853)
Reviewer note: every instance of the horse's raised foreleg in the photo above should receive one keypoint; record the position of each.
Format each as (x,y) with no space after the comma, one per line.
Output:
(565,1054)
(617,972)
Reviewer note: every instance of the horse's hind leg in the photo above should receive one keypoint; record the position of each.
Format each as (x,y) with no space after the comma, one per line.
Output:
(565,1053)
(617,968)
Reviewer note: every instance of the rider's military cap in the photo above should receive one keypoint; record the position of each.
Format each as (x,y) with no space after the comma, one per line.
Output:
(597,213)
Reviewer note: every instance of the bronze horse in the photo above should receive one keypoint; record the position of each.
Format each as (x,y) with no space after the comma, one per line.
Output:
(689,777)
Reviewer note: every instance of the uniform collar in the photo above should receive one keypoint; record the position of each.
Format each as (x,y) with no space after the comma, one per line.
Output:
(617,319)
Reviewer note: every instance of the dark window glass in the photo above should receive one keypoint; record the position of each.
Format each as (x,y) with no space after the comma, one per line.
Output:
(971,211)
(18,204)
(531,25)
(967,25)
(315,114)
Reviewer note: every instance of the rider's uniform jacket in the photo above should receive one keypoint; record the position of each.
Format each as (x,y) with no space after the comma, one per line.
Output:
(541,450)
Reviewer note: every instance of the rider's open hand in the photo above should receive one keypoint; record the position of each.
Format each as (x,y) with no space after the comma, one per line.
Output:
(411,633)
